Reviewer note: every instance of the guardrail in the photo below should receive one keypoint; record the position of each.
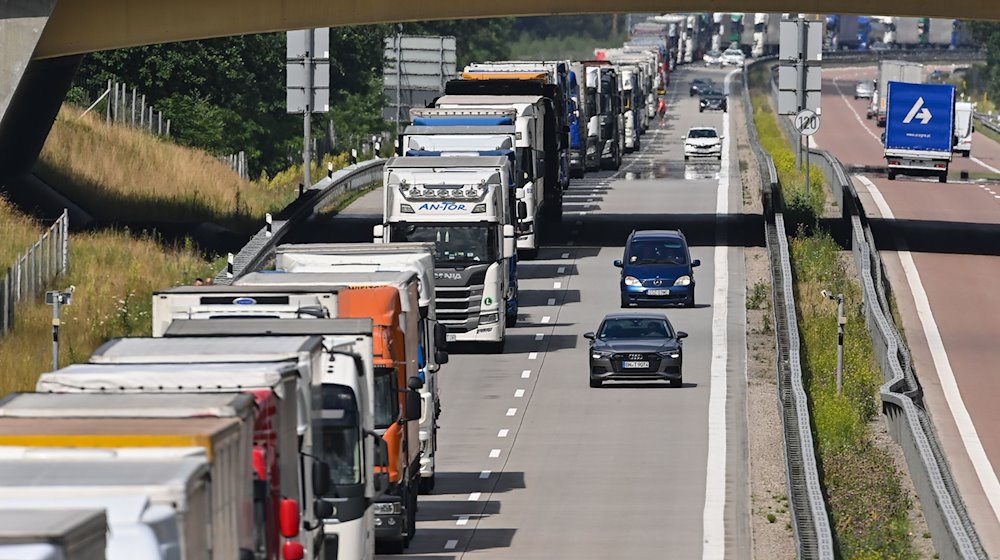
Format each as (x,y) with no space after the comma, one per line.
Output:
(810,521)
(916,55)
(951,528)
(46,259)
(255,254)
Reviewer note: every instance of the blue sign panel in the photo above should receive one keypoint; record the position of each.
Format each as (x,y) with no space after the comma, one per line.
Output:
(920,117)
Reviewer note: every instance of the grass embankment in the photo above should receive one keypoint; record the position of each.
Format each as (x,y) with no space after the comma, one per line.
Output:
(120,174)
(16,235)
(114,274)
(869,507)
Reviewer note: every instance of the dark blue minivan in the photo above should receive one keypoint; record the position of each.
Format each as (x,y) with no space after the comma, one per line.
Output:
(657,269)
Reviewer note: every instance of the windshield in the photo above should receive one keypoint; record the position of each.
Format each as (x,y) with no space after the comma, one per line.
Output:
(386,402)
(657,251)
(614,329)
(702,133)
(453,244)
(339,434)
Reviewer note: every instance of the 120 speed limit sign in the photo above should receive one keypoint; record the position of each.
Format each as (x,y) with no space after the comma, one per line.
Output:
(806,122)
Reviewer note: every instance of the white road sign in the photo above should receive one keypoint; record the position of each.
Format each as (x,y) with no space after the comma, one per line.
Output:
(806,122)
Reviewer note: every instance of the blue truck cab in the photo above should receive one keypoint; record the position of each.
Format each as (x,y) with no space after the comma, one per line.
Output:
(657,269)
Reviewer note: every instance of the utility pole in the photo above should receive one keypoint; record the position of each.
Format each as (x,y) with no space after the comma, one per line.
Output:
(399,76)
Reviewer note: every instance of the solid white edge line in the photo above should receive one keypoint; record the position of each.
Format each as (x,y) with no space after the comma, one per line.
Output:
(949,385)
(713,518)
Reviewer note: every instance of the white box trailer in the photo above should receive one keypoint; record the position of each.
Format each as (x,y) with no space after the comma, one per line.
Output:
(217,426)
(347,393)
(307,353)
(39,534)
(156,509)
(964,128)
(274,386)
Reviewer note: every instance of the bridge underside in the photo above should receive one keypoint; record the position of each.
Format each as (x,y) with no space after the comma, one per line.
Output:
(81,26)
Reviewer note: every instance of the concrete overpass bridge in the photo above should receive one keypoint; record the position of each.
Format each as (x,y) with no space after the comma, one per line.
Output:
(42,41)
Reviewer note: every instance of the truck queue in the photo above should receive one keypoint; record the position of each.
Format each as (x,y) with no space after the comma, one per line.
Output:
(294,413)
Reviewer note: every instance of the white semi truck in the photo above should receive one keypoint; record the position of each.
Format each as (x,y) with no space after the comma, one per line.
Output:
(53,534)
(462,205)
(391,257)
(159,510)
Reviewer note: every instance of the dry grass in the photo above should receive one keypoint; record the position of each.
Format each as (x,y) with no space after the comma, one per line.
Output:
(17,234)
(121,174)
(115,275)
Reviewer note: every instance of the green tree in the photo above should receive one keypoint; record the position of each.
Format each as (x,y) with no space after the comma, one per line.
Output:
(476,39)
(987,35)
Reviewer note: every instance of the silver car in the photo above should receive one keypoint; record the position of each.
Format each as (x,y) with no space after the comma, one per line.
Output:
(864,89)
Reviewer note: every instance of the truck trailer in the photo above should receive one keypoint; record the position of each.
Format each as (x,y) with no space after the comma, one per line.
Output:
(63,534)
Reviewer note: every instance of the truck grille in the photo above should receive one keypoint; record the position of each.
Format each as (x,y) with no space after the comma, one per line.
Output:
(458,308)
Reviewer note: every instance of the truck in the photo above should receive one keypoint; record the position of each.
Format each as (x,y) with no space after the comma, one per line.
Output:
(633,104)
(556,78)
(919,130)
(606,128)
(312,356)
(897,71)
(64,534)
(640,78)
(396,419)
(272,385)
(489,132)
(158,510)
(460,205)
(217,426)
(964,128)
(344,429)
(391,257)
(537,124)
(578,124)
(223,442)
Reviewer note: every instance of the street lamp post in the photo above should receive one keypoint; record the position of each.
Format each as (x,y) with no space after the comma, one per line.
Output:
(841,321)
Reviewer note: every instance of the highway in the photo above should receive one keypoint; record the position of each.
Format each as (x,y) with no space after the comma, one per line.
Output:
(938,243)
(533,463)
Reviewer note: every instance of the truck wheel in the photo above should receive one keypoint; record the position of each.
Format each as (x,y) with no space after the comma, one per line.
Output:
(394,547)
(943,178)
(528,254)
(891,175)
(426,484)
(510,320)
(966,153)
(496,347)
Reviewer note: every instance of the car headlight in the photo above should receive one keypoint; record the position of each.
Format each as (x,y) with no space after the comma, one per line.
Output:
(487,318)
(632,281)
(673,354)
(683,281)
(597,354)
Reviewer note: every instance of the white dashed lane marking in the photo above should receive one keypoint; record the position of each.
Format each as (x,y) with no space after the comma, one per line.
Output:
(474,497)
(539,336)
(561,270)
(546,319)
(450,545)
(519,394)
(526,374)
(503,433)
(462,520)
(533,356)
(511,411)
(494,453)
(485,474)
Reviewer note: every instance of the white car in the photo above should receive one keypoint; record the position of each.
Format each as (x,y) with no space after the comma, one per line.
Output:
(733,57)
(712,58)
(702,141)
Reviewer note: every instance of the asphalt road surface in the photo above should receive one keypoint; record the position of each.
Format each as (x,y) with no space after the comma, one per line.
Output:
(532,462)
(938,242)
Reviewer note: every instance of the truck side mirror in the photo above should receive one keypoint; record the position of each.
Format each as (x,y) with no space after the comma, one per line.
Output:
(522,210)
(414,405)
(322,509)
(440,357)
(440,335)
(415,383)
(378,233)
(289,519)
(320,478)
(509,242)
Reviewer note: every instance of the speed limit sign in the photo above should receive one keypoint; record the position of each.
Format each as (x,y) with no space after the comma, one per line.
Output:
(806,122)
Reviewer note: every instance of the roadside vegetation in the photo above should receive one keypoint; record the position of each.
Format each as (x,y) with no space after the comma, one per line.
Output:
(114,273)
(868,504)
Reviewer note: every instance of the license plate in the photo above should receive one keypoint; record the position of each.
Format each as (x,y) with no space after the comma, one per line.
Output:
(383,509)
(635,365)
(659,292)
(450,337)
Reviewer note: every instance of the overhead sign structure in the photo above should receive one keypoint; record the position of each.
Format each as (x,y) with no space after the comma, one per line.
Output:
(799,75)
(806,122)
(416,71)
(920,117)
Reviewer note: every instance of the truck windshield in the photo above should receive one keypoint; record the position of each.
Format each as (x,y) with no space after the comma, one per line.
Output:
(339,434)
(453,244)
(386,401)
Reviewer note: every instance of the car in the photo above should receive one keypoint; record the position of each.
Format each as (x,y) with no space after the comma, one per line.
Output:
(733,57)
(702,141)
(713,100)
(657,269)
(938,76)
(864,89)
(699,85)
(713,58)
(636,346)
